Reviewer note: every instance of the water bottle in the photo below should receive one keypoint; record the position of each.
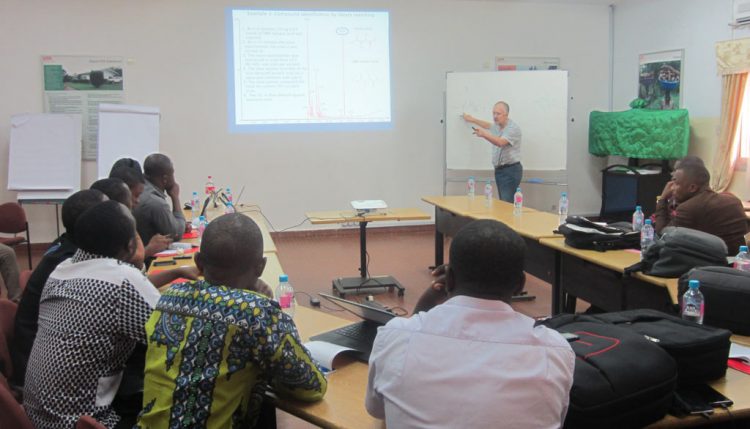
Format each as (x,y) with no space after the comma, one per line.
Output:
(470,186)
(230,206)
(517,202)
(210,187)
(285,295)
(637,219)
(647,236)
(742,261)
(202,224)
(692,303)
(562,207)
(488,193)
(195,205)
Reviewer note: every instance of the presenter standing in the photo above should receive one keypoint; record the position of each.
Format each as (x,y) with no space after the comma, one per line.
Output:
(505,137)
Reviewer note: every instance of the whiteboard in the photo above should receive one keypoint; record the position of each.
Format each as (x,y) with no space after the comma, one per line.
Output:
(126,131)
(45,152)
(538,104)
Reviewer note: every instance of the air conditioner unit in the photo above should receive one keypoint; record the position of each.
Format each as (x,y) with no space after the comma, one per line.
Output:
(741,12)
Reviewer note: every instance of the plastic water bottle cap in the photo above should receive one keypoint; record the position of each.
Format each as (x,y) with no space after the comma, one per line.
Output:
(283,278)
(743,249)
(471,177)
(638,207)
(564,194)
(648,221)
(518,189)
(694,284)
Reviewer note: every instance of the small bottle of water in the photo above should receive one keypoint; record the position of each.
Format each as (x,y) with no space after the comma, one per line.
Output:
(693,306)
(471,186)
(202,224)
(647,236)
(230,206)
(488,193)
(285,295)
(518,202)
(210,187)
(638,219)
(742,261)
(195,206)
(562,207)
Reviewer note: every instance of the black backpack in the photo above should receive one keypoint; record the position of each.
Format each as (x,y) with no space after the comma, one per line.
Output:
(582,233)
(621,379)
(700,351)
(679,250)
(727,296)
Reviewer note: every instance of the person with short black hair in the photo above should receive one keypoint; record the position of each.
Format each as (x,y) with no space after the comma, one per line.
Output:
(245,341)
(153,213)
(698,207)
(126,163)
(133,178)
(115,189)
(27,314)
(91,316)
(465,337)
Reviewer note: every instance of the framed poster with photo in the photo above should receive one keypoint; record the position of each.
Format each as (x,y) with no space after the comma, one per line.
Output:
(660,79)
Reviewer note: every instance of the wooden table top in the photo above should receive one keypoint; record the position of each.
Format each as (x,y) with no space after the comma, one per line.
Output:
(389,214)
(535,225)
(466,206)
(343,405)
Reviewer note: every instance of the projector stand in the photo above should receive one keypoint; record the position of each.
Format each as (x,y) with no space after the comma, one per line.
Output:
(363,284)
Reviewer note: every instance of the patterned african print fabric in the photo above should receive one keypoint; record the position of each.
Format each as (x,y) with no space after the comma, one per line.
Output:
(92,313)
(213,351)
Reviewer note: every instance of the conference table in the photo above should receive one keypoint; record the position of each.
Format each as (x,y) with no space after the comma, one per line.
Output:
(343,404)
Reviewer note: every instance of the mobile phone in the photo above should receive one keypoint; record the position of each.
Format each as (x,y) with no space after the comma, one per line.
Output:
(691,402)
(570,336)
(162,263)
(711,396)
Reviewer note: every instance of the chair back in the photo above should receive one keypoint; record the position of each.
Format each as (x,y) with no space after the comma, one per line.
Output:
(88,422)
(12,414)
(12,218)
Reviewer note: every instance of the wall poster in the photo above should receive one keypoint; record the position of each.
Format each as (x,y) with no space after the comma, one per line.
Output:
(660,79)
(78,84)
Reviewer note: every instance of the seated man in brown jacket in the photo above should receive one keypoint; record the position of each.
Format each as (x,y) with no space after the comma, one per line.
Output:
(698,207)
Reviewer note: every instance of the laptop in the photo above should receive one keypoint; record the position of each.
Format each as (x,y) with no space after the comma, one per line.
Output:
(358,336)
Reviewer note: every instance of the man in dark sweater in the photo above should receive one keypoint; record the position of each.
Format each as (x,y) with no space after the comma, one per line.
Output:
(698,207)
(28,309)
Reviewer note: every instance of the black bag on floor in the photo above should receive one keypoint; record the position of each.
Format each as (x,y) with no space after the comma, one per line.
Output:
(727,296)
(621,379)
(679,250)
(700,351)
(582,233)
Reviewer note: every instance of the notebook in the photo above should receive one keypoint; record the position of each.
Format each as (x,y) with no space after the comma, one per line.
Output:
(358,336)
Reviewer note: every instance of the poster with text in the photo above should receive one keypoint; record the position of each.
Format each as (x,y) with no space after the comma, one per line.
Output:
(78,84)
(660,79)
(526,63)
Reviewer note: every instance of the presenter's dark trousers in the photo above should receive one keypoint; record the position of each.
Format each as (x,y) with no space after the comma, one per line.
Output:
(508,178)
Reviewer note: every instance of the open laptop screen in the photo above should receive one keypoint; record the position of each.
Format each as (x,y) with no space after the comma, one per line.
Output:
(363,311)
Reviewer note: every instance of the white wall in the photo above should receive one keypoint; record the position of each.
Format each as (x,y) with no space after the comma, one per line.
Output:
(643,26)
(177,61)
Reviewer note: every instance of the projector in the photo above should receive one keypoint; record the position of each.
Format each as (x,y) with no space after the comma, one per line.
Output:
(368,206)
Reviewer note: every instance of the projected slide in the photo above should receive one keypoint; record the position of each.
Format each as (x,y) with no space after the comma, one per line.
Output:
(308,70)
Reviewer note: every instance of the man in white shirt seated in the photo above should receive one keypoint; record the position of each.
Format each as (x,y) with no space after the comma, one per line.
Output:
(471,360)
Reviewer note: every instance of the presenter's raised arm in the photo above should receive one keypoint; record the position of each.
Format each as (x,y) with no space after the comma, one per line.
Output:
(472,120)
(495,140)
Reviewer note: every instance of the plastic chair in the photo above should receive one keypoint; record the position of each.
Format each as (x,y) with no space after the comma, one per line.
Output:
(88,422)
(12,413)
(13,221)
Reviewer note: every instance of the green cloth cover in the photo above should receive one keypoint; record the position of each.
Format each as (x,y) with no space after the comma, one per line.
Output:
(640,133)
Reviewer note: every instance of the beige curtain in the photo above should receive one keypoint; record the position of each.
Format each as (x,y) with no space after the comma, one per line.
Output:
(733,62)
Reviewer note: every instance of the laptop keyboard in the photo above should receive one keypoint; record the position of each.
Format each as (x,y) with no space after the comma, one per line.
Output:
(359,331)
